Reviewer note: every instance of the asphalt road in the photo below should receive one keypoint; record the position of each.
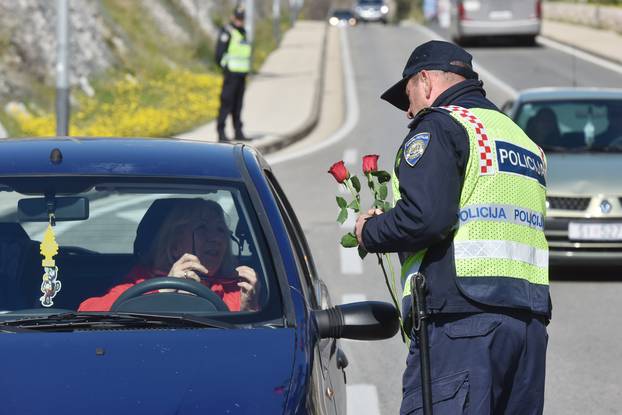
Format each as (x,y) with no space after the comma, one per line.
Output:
(584,357)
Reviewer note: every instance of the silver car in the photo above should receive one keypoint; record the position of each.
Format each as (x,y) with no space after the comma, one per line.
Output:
(472,19)
(371,11)
(580,130)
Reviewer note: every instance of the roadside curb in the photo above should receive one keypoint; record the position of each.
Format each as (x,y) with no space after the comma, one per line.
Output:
(272,143)
(616,60)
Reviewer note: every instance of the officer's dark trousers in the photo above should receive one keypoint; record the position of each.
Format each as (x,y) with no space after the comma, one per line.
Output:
(231,98)
(480,364)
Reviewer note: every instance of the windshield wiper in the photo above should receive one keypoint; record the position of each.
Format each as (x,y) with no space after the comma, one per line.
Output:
(107,320)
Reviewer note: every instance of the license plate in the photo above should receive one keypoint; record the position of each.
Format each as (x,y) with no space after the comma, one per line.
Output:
(595,231)
(500,15)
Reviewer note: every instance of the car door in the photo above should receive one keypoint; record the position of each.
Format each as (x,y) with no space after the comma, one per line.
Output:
(330,360)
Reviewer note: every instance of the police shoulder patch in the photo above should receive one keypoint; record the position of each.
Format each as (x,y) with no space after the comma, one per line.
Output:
(415,147)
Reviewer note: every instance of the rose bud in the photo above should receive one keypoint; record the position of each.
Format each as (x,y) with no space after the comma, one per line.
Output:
(370,163)
(339,171)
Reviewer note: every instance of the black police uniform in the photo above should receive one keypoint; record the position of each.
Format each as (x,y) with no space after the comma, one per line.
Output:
(233,87)
(509,378)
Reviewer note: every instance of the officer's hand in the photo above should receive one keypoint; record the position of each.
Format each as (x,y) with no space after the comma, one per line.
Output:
(358,228)
(375,212)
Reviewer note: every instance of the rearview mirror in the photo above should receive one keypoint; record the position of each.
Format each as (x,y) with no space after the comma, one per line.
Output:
(65,209)
(367,320)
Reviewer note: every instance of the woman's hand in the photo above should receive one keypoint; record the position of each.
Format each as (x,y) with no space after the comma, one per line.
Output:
(188,266)
(249,285)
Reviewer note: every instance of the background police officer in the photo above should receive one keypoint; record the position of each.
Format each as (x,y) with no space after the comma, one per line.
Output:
(471,222)
(233,53)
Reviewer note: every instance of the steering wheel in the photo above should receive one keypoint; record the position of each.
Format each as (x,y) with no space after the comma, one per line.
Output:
(155,284)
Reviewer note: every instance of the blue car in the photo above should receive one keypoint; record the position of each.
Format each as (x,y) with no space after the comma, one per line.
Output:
(93,320)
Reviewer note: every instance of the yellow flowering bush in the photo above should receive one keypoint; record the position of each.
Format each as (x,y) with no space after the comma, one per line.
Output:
(155,107)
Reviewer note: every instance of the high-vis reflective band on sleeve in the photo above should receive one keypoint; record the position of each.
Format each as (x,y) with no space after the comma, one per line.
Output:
(492,249)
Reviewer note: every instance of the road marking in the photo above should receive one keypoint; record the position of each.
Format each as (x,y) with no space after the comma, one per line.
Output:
(351,263)
(580,54)
(353,298)
(350,222)
(352,110)
(362,399)
(349,156)
(505,87)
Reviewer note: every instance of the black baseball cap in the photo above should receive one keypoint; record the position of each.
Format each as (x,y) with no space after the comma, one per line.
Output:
(239,12)
(432,55)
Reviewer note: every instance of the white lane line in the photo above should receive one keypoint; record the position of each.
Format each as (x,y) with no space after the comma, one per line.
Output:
(580,54)
(351,263)
(348,225)
(486,74)
(349,156)
(352,108)
(362,399)
(353,298)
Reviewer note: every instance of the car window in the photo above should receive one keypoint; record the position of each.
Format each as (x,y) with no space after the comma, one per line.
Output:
(298,240)
(134,232)
(343,14)
(579,125)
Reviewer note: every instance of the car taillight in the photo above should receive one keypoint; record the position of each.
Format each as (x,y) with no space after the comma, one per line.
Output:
(461,11)
(538,9)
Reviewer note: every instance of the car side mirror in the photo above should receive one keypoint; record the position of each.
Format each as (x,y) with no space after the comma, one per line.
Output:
(367,320)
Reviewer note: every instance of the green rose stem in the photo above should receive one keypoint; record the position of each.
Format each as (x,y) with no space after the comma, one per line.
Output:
(355,195)
(391,287)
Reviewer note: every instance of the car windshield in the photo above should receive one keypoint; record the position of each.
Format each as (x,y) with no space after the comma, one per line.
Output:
(342,14)
(573,125)
(116,234)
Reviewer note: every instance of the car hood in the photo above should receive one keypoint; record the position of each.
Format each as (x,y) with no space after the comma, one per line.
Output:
(584,174)
(147,372)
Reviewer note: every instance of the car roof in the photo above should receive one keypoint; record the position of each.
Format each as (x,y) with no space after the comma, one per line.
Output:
(553,94)
(119,157)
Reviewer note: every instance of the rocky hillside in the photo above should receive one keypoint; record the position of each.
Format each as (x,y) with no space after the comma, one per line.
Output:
(110,40)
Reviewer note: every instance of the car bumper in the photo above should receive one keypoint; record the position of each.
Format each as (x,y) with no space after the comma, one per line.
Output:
(371,16)
(564,251)
(529,27)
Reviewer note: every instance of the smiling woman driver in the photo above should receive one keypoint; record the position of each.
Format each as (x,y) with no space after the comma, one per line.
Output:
(194,242)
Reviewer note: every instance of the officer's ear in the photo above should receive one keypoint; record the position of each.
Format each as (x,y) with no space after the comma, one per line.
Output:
(426,81)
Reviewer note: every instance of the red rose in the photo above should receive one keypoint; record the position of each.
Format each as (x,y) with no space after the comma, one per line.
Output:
(370,163)
(339,171)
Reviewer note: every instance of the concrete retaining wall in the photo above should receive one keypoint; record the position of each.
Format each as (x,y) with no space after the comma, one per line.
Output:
(602,17)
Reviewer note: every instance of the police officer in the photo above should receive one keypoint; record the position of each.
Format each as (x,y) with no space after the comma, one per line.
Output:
(233,53)
(469,216)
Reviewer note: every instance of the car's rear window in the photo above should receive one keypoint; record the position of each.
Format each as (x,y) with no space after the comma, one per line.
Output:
(136,231)
(573,125)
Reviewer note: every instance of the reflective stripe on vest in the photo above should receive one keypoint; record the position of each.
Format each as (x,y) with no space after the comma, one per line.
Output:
(500,251)
(237,58)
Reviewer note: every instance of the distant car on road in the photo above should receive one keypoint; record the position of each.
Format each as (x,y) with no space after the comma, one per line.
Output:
(580,130)
(475,19)
(371,11)
(342,17)
(167,345)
